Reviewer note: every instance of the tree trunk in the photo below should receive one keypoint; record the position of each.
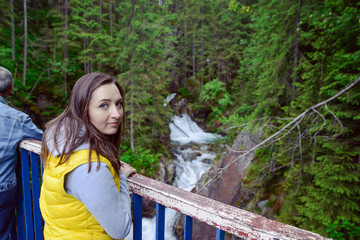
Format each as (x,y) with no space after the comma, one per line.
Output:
(202,47)
(185,32)
(296,52)
(25,44)
(66,49)
(84,56)
(218,66)
(132,142)
(194,57)
(12,30)
(100,43)
(111,19)
(193,45)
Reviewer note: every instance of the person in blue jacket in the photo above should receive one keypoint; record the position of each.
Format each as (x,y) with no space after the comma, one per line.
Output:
(15,126)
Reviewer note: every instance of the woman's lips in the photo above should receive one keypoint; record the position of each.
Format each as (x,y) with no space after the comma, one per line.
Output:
(113,124)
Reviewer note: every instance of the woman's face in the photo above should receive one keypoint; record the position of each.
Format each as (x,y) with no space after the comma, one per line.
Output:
(106,108)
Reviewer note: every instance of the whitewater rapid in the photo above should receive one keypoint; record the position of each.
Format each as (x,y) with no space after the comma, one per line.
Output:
(190,164)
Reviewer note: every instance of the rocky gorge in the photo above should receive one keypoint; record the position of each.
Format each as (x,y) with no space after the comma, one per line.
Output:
(228,187)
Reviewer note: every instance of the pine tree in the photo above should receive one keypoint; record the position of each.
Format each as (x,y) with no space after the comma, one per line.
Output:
(316,165)
(5,34)
(275,28)
(25,43)
(143,69)
(334,173)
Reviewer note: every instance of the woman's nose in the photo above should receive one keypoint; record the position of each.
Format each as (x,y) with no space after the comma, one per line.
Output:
(115,112)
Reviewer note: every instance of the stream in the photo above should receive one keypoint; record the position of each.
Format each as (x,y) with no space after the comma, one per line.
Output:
(190,145)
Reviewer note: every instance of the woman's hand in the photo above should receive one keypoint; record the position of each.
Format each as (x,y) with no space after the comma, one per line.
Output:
(127,169)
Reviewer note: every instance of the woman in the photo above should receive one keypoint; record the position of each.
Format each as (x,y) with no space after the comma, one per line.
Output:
(84,193)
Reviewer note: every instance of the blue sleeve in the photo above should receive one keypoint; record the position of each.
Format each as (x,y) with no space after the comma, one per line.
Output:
(30,130)
(98,192)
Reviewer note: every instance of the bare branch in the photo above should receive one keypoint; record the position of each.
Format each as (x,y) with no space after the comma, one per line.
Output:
(336,119)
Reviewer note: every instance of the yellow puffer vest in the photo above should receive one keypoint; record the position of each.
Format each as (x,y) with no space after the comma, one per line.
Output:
(66,217)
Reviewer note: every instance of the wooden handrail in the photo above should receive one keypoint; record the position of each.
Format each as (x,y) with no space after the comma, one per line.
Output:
(236,221)
(228,218)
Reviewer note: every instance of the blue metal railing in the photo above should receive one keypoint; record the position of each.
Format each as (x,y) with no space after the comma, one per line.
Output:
(223,217)
(29,220)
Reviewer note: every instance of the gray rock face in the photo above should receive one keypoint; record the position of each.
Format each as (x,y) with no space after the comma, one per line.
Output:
(228,188)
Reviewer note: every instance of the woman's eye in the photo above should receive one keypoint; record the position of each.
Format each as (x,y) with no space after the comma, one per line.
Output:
(103,106)
(119,105)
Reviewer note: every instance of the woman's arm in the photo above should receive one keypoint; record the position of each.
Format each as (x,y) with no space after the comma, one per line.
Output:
(98,192)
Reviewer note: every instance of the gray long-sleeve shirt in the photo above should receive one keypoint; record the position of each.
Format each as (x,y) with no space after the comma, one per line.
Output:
(98,192)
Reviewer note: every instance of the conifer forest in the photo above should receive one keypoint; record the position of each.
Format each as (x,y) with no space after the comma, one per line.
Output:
(288,70)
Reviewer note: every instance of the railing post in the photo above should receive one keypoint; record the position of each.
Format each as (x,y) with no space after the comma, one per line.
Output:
(220,234)
(35,178)
(160,221)
(137,211)
(19,204)
(25,171)
(188,228)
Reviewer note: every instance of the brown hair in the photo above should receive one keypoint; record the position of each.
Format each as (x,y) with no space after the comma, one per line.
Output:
(75,117)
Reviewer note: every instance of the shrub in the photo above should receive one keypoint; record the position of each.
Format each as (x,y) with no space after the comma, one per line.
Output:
(145,162)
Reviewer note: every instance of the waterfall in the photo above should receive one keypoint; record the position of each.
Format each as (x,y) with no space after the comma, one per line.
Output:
(169,98)
(191,163)
(184,131)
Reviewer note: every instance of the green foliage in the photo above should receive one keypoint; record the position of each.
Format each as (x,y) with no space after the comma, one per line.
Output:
(193,90)
(145,162)
(234,5)
(5,58)
(212,91)
(320,173)
(239,120)
(274,23)
(215,95)
(52,111)
(184,92)
(342,229)
(138,50)
(334,174)
(271,60)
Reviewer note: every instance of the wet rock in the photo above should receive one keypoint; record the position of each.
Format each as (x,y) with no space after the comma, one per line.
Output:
(262,204)
(148,208)
(166,171)
(179,105)
(202,112)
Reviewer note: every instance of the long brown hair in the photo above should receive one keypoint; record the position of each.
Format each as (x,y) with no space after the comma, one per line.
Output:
(75,117)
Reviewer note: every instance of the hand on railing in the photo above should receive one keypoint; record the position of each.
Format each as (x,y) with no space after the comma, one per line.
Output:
(127,169)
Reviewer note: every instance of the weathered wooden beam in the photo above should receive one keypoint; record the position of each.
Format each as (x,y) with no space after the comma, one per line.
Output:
(31,146)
